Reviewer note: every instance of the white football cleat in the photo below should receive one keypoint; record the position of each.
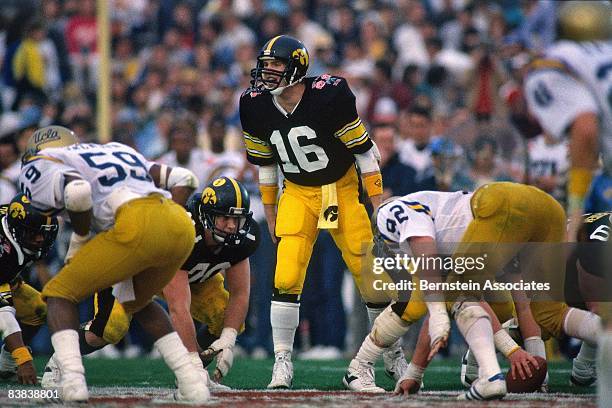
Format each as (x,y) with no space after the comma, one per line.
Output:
(193,383)
(73,387)
(583,374)
(213,386)
(469,369)
(52,376)
(395,361)
(8,367)
(360,377)
(282,373)
(483,389)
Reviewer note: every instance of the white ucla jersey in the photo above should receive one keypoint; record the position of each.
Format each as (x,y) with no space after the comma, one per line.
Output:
(114,170)
(440,215)
(582,82)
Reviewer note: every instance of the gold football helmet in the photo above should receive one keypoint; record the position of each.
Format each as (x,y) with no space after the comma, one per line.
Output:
(49,136)
(585,21)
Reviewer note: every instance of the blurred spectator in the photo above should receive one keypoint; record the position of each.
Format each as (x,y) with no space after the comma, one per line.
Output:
(81,40)
(548,165)
(35,66)
(9,168)
(413,148)
(484,167)
(399,179)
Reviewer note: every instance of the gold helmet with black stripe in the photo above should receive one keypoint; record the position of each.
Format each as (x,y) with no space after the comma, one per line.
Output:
(224,197)
(585,21)
(48,136)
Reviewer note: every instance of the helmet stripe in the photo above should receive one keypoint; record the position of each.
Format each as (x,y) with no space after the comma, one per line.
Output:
(238,193)
(270,44)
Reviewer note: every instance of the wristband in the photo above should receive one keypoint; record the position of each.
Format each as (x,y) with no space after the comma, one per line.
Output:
(229,334)
(373,184)
(269,193)
(21,355)
(414,372)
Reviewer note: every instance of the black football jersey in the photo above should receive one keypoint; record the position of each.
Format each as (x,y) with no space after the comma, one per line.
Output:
(314,145)
(204,262)
(595,247)
(13,261)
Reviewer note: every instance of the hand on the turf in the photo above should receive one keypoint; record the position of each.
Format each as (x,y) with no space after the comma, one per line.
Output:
(407,387)
(519,361)
(223,348)
(26,373)
(225,360)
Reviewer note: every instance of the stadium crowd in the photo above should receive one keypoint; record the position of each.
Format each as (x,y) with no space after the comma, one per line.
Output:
(438,83)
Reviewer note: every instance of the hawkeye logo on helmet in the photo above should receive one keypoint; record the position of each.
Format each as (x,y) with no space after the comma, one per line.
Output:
(17,211)
(301,54)
(209,195)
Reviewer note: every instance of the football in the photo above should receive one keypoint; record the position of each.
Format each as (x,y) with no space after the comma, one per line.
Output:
(528,384)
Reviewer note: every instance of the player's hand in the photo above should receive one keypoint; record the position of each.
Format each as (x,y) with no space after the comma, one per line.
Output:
(519,362)
(439,329)
(223,349)
(26,373)
(407,387)
(270,212)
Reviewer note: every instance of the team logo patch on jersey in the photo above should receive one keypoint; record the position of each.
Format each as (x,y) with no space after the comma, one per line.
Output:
(16,210)
(209,195)
(331,213)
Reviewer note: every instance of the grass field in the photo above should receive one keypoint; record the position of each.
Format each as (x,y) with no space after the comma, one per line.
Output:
(142,382)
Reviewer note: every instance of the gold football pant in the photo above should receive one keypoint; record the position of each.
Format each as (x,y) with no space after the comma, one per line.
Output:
(296,226)
(209,300)
(506,217)
(149,242)
(30,309)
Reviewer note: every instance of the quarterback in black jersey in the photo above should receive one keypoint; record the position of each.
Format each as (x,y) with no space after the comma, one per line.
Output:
(308,126)
(225,238)
(25,237)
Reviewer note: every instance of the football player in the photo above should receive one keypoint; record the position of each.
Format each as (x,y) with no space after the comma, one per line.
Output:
(25,237)
(225,238)
(313,132)
(496,214)
(141,239)
(569,90)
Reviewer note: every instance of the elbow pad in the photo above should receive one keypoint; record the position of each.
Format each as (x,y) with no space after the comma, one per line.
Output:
(8,322)
(181,177)
(368,161)
(77,196)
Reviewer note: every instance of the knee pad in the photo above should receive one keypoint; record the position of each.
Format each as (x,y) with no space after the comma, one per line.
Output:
(388,328)
(117,326)
(467,313)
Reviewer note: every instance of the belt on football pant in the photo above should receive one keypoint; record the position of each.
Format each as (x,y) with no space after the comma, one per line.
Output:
(328,216)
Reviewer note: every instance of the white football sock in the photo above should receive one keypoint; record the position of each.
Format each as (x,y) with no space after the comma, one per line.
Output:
(535,346)
(67,353)
(176,356)
(284,318)
(480,339)
(587,353)
(373,313)
(604,368)
(369,352)
(582,325)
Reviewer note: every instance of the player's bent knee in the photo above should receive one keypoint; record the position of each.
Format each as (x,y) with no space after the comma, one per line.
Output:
(549,316)
(467,313)
(388,328)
